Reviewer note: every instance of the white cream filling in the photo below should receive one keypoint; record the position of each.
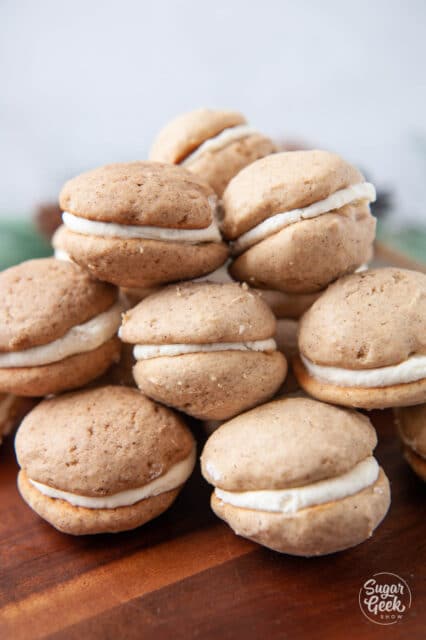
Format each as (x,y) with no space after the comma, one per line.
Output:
(147,351)
(79,339)
(362,191)
(114,230)
(410,370)
(174,477)
(363,475)
(60,254)
(362,268)
(220,141)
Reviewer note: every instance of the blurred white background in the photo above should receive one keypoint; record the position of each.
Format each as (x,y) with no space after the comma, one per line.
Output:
(89,82)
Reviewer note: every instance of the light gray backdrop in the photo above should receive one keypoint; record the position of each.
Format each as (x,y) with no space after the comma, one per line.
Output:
(87,82)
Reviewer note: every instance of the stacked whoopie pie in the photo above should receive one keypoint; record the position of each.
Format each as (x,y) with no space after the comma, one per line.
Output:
(298,221)
(296,475)
(105,459)
(58,327)
(206,349)
(363,342)
(140,224)
(213,144)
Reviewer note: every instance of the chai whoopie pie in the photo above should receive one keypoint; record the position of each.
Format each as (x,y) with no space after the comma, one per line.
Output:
(411,423)
(298,221)
(140,224)
(212,144)
(102,460)
(363,342)
(206,349)
(58,327)
(297,476)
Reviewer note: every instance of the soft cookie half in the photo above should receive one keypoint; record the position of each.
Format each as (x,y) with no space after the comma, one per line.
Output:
(103,460)
(213,144)
(140,224)
(298,221)
(204,348)
(298,476)
(58,327)
(363,342)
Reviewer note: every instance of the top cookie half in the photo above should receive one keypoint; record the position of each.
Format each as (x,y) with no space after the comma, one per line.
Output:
(281,183)
(140,193)
(213,144)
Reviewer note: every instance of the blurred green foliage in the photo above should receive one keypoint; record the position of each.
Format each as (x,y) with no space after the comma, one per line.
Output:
(20,241)
(411,241)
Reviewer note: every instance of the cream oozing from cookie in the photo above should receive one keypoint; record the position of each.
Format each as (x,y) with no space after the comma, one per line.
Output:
(362,191)
(147,351)
(172,479)
(410,370)
(361,476)
(60,254)
(79,339)
(221,140)
(144,232)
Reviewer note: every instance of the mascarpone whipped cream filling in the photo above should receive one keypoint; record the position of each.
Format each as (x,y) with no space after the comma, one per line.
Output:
(410,370)
(147,351)
(337,200)
(361,476)
(79,339)
(173,479)
(220,141)
(60,254)
(115,230)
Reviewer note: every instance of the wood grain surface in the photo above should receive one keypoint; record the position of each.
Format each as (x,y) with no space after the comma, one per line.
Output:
(186,575)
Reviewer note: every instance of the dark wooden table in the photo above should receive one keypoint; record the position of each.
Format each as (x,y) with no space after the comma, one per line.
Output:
(186,575)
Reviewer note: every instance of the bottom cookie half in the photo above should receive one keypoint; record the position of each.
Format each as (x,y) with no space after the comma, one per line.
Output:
(313,531)
(70,373)
(398,395)
(82,521)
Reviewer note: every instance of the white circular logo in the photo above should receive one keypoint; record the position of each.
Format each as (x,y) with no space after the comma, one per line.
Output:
(385,598)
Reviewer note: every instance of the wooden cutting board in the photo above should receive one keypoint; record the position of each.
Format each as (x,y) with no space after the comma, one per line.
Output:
(186,575)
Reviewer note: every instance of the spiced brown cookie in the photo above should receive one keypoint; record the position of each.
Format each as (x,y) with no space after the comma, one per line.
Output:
(204,348)
(363,342)
(122,463)
(298,221)
(213,144)
(298,476)
(58,327)
(140,224)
